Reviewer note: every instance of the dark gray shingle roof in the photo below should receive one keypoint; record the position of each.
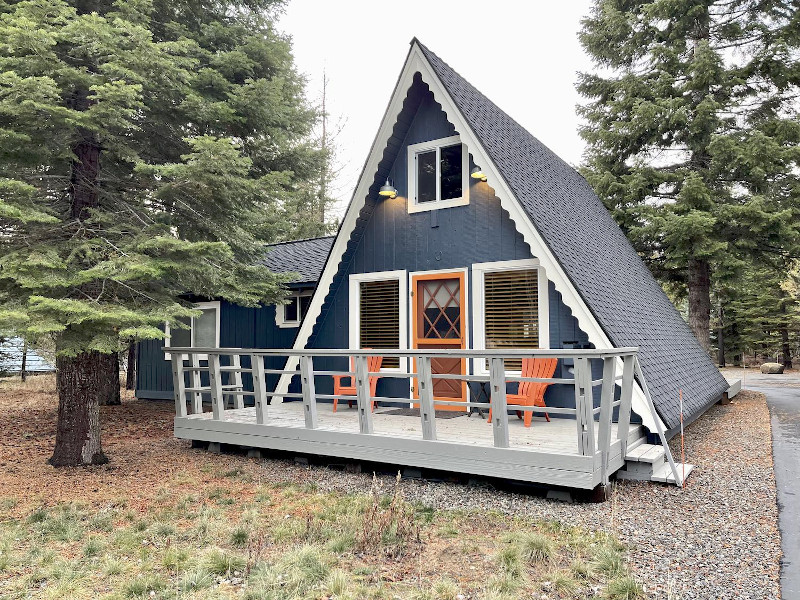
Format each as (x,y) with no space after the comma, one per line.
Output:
(304,257)
(627,301)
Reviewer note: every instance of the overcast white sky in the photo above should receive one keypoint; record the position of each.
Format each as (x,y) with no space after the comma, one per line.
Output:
(523,55)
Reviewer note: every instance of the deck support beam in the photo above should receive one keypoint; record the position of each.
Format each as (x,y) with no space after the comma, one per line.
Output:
(584,407)
(197,397)
(497,381)
(259,387)
(215,380)
(309,391)
(236,363)
(178,384)
(626,392)
(606,413)
(427,410)
(363,396)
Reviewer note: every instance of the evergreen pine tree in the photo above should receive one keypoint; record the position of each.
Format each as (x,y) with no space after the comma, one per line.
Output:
(692,133)
(147,148)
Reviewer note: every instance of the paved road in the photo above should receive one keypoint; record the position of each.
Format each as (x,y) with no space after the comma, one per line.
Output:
(783,399)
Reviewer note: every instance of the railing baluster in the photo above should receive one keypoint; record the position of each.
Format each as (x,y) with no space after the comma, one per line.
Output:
(309,393)
(215,379)
(626,393)
(362,389)
(238,399)
(497,379)
(584,405)
(178,384)
(259,387)
(197,397)
(606,413)
(427,410)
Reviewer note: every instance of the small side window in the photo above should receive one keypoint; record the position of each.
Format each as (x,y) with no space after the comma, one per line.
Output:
(291,313)
(202,332)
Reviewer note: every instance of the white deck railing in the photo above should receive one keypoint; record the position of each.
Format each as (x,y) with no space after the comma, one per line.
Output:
(591,441)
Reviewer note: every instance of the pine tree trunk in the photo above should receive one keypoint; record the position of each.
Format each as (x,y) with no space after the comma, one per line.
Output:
(130,372)
(108,385)
(700,302)
(24,367)
(78,432)
(80,378)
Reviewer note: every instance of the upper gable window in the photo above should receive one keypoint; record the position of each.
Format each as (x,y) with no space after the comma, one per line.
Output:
(438,174)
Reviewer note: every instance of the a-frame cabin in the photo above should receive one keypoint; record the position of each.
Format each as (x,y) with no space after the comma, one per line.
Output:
(466,239)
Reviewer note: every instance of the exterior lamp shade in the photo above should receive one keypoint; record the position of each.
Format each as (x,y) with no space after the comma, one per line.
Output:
(476,173)
(387,190)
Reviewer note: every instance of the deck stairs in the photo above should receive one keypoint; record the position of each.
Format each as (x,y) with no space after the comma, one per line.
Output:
(648,462)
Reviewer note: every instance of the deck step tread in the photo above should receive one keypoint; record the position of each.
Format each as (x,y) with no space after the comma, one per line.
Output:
(664,473)
(645,453)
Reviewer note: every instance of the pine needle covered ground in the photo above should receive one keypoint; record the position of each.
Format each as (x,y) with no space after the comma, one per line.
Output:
(165,521)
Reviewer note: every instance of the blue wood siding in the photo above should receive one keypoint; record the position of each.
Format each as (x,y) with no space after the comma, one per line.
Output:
(240,327)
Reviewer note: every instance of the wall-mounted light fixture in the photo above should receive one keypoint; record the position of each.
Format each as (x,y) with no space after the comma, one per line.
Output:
(388,190)
(476,173)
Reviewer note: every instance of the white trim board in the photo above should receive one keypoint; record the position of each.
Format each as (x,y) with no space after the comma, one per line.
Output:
(416,62)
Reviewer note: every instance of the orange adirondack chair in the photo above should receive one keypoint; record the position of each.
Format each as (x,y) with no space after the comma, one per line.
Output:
(531,393)
(373,366)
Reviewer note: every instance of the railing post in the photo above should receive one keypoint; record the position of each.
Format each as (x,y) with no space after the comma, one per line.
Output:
(606,414)
(362,390)
(236,363)
(427,410)
(497,379)
(259,386)
(584,406)
(215,380)
(197,397)
(626,394)
(178,384)
(309,392)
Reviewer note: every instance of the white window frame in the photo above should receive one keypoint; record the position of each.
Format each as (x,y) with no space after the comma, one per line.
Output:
(479,271)
(416,149)
(216,305)
(280,310)
(354,341)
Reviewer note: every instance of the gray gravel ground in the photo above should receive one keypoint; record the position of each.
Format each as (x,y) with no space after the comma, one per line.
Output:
(718,538)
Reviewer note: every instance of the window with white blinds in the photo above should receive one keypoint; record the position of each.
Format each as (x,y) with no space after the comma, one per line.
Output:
(379,317)
(511,311)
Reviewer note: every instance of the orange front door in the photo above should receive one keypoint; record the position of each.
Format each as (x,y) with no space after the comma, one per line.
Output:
(438,318)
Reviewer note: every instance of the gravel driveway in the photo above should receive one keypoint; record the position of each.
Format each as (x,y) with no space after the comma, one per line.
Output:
(783,400)
(718,538)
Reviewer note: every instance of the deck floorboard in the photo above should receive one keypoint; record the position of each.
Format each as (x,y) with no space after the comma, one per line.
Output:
(558,436)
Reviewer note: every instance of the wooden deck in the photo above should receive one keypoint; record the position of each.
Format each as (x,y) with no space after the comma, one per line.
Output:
(581,447)
(545,452)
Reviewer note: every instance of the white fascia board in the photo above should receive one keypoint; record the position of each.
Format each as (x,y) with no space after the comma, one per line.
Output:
(416,62)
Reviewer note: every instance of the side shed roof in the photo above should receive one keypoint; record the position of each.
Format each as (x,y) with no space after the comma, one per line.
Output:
(304,257)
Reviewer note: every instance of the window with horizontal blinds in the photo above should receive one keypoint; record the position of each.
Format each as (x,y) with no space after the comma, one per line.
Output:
(511,311)
(379,317)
